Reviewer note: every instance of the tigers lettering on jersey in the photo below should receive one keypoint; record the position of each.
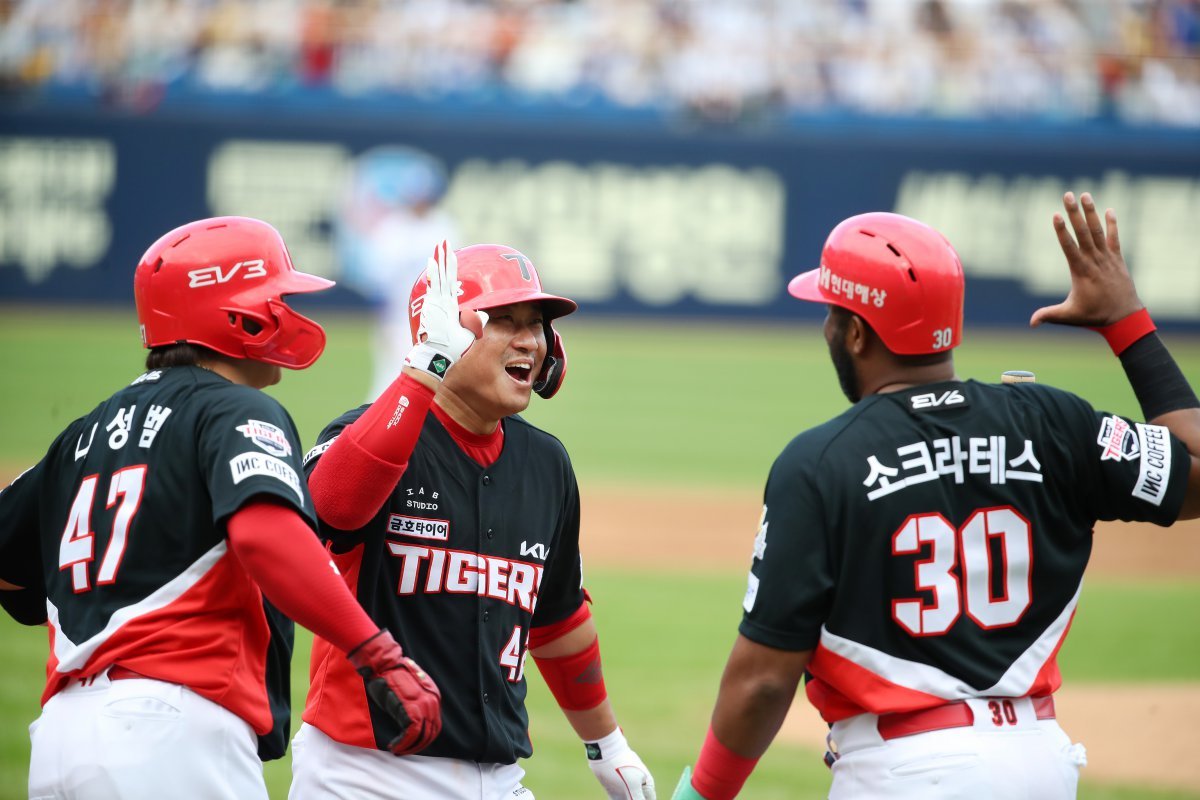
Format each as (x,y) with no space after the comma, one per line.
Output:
(928,461)
(463,572)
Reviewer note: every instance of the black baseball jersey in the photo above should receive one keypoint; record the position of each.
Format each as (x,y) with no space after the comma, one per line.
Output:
(930,544)
(459,564)
(124,517)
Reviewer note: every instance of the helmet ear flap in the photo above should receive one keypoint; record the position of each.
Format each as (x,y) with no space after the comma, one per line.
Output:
(554,368)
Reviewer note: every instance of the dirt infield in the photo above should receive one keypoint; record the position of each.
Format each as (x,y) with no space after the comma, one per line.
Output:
(1139,735)
(689,530)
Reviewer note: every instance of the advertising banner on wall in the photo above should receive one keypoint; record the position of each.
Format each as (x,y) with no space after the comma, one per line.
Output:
(626,220)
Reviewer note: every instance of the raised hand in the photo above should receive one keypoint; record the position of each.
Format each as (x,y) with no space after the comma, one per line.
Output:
(1102,290)
(444,333)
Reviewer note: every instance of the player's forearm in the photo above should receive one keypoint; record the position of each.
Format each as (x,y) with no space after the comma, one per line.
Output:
(283,556)
(1164,394)
(570,664)
(593,723)
(756,691)
(355,477)
(750,710)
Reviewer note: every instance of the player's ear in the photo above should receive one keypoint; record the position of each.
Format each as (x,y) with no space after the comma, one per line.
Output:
(858,334)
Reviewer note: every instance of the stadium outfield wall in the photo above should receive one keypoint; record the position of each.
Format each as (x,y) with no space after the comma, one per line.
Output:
(629,219)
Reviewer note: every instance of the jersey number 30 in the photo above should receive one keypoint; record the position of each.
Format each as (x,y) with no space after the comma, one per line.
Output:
(78,546)
(989,602)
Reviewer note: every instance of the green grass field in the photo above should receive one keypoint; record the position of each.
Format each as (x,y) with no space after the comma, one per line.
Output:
(700,405)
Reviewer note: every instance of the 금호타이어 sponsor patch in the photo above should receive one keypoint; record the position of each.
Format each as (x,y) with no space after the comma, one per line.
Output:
(419,526)
(267,436)
(249,464)
(1155,468)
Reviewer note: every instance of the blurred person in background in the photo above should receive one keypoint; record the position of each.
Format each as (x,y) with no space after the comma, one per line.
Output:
(389,212)
(163,533)
(456,523)
(920,557)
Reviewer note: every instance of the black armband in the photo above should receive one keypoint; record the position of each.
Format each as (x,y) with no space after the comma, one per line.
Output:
(1156,378)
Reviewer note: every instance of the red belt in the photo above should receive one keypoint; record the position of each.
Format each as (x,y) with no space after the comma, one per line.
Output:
(119,673)
(952,715)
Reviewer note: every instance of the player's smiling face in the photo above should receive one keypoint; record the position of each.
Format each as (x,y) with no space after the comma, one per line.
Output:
(495,377)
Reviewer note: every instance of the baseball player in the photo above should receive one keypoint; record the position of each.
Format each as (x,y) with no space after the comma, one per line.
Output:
(153,528)
(456,523)
(920,556)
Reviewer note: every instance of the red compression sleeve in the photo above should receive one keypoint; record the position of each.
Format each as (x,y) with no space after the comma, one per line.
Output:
(720,773)
(544,634)
(354,477)
(576,681)
(286,560)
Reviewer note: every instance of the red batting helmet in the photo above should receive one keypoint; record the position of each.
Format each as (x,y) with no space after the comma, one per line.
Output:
(220,283)
(898,274)
(494,275)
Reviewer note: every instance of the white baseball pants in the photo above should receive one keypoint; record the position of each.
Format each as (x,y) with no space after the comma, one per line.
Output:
(1025,759)
(138,739)
(323,768)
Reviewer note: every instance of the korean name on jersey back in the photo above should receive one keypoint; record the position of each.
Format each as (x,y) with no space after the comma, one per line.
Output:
(952,456)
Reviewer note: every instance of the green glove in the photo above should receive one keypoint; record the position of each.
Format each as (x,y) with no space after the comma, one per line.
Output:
(684,790)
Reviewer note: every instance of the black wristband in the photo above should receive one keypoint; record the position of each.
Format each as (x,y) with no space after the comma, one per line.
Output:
(1156,378)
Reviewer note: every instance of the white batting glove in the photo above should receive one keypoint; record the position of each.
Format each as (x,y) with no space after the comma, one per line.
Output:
(441,337)
(618,768)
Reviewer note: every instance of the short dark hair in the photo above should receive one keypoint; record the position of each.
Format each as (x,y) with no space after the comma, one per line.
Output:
(178,355)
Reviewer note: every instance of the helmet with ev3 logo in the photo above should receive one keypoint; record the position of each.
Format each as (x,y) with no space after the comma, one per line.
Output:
(220,283)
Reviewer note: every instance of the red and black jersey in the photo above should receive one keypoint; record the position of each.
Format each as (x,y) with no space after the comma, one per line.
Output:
(930,544)
(127,510)
(459,564)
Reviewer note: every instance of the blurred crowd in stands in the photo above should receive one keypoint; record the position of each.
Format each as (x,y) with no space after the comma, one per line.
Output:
(723,61)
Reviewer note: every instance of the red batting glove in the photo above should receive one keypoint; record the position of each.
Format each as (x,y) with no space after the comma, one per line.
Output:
(402,689)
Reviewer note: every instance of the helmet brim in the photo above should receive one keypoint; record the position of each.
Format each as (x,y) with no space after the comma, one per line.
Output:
(301,283)
(553,306)
(807,286)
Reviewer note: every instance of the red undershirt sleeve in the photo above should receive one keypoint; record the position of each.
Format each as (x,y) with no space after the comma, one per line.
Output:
(355,476)
(286,560)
